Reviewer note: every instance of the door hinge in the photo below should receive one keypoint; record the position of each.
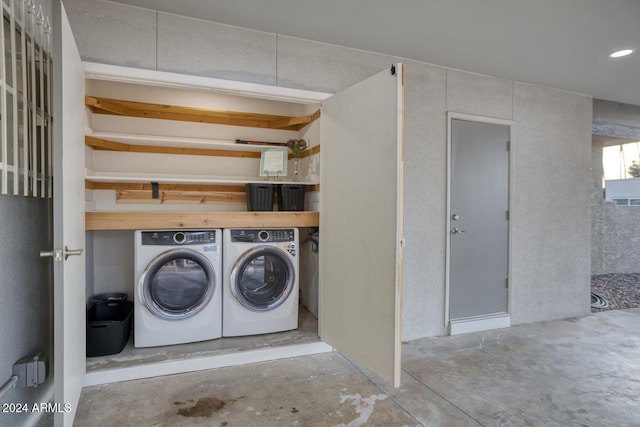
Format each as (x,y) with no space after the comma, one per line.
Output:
(393,70)
(507,215)
(508,145)
(506,283)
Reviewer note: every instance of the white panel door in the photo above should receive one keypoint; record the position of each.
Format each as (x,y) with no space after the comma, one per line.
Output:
(361,222)
(68,218)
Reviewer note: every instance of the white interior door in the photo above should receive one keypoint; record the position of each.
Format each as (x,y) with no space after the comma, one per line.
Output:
(361,222)
(68,217)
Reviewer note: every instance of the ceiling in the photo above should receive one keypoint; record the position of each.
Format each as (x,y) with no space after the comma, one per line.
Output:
(558,43)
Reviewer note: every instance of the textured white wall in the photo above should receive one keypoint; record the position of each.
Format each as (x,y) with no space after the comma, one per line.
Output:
(620,242)
(551,221)
(552,143)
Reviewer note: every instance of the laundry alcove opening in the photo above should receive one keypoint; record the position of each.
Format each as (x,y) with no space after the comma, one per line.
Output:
(124,154)
(144,172)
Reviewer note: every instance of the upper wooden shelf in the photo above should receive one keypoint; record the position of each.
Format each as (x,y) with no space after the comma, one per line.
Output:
(224,149)
(137,220)
(120,107)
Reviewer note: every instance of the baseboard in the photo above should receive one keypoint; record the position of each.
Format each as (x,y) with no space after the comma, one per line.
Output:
(479,323)
(203,363)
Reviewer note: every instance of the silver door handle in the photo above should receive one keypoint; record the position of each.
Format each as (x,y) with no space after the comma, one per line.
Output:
(456,230)
(68,252)
(61,254)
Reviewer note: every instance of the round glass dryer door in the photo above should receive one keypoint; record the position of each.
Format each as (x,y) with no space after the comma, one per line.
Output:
(262,278)
(178,284)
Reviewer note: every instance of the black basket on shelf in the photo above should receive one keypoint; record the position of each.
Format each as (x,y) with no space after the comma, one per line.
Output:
(291,197)
(260,196)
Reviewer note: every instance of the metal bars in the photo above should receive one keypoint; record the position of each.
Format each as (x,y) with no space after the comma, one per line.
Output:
(25,100)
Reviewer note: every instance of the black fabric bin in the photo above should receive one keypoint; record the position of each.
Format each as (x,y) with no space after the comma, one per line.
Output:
(260,196)
(112,296)
(108,327)
(291,197)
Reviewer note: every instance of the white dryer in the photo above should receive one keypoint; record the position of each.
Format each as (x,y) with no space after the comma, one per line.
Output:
(260,291)
(178,288)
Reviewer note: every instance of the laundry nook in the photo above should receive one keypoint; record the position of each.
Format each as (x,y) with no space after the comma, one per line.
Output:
(191,189)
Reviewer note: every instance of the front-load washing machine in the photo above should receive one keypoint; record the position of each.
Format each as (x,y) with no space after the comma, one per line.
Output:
(260,291)
(178,288)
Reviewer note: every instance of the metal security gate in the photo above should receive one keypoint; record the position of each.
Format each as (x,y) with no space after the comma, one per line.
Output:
(25,100)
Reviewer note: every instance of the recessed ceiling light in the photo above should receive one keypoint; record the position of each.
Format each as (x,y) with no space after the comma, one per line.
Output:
(621,53)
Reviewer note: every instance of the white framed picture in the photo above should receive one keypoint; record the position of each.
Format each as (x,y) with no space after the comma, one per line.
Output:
(273,162)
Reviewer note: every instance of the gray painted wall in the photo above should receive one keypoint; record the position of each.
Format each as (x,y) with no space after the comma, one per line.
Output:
(550,149)
(26,282)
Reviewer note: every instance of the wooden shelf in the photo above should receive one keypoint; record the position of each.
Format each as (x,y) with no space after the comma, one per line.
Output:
(166,178)
(147,110)
(137,220)
(142,193)
(223,149)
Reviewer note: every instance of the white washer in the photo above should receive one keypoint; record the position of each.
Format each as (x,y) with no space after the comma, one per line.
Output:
(178,288)
(260,293)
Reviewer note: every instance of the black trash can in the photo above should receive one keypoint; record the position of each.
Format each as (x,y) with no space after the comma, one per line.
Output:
(108,327)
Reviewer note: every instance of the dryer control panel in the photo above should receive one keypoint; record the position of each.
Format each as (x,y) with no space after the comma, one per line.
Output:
(263,236)
(178,238)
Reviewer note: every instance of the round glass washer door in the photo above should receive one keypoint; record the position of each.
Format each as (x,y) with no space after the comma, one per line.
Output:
(178,284)
(262,278)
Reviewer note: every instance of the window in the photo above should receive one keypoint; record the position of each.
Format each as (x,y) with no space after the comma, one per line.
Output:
(627,202)
(25,101)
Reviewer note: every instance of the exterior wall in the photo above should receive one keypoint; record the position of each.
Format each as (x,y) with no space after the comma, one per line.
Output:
(620,239)
(548,219)
(551,219)
(597,201)
(26,282)
(623,188)
(615,236)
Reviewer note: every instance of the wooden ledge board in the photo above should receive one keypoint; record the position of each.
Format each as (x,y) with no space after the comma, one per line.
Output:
(137,220)
(148,110)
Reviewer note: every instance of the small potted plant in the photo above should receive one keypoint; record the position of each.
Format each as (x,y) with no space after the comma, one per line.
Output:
(291,196)
(297,146)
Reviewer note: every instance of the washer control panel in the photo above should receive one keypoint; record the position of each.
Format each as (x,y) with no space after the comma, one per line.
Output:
(178,238)
(263,236)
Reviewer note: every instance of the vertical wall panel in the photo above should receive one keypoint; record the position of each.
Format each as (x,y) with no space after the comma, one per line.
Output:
(472,93)
(306,64)
(424,201)
(551,221)
(114,33)
(202,48)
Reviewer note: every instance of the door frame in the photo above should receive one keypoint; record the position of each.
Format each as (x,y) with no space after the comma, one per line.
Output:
(489,321)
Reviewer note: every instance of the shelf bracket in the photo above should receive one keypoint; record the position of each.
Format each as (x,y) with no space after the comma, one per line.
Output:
(155,190)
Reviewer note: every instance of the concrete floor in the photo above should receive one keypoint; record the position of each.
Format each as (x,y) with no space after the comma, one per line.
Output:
(583,371)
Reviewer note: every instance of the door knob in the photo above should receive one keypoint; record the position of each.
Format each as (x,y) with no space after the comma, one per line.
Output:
(60,255)
(456,230)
